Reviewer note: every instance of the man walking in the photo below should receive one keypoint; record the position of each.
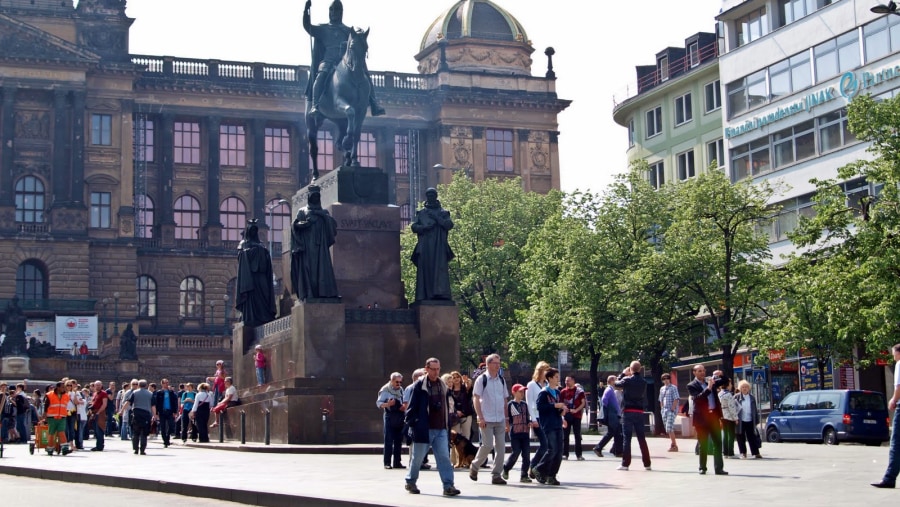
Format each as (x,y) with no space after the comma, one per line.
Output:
(707,417)
(634,390)
(390,401)
(165,401)
(893,469)
(428,418)
(574,398)
(489,398)
(612,418)
(98,410)
(141,402)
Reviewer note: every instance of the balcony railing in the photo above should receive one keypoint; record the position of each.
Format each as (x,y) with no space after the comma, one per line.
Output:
(54,305)
(675,69)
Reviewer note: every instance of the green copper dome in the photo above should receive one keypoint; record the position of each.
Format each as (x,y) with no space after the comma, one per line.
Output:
(477,19)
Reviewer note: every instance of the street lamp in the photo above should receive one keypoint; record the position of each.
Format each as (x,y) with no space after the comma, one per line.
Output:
(271,208)
(212,315)
(104,303)
(116,314)
(226,298)
(890,8)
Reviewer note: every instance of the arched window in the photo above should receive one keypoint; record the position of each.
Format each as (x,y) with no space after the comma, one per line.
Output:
(366,150)
(280,218)
(31,281)
(325,141)
(191,297)
(233,214)
(146,296)
(143,227)
(30,200)
(187,218)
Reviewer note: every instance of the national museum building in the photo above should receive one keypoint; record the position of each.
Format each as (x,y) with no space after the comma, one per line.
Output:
(126,180)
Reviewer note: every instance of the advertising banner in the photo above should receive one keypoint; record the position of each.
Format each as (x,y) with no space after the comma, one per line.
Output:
(76,330)
(41,331)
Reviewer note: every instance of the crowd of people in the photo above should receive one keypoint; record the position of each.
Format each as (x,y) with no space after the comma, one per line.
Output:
(137,410)
(444,414)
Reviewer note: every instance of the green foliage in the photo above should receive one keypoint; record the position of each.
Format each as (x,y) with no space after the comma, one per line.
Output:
(492,222)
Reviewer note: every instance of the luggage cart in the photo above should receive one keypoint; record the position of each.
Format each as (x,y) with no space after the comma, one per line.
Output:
(41,438)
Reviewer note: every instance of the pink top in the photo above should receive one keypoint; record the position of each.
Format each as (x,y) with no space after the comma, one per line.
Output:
(260,359)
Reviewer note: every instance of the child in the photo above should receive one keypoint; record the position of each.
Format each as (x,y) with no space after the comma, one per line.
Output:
(260,360)
(517,414)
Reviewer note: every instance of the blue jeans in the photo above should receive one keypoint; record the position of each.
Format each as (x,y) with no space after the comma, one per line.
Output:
(548,466)
(260,376)
(893,469)
(23,428)
(440,445)
(614,433)
(166,425)
(634,425)
(520,445)
(393,443)
(542,445)
(79,433)
(99,432)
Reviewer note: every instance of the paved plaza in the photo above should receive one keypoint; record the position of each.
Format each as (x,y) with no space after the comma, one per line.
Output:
(790,474)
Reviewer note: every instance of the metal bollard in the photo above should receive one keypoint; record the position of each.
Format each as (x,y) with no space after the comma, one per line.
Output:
(221,428)
(268,426)
(243,427)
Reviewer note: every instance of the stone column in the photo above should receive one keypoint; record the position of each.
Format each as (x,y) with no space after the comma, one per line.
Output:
(7,136)
(165,204)
(78,134)
(213,171)
(258,209)
(60,171)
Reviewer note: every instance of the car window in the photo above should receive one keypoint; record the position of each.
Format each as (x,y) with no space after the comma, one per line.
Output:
(866,401)
(789,403)
(802,401)
(828,400)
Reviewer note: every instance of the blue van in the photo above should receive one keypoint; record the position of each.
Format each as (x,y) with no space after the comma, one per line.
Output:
(830,416)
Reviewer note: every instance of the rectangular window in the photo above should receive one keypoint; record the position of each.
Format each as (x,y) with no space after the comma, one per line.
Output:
(750,159)
(790,75)
(833,131)
(684,111)
(715,152)
(278,148)
(101,129)
(654,122)
(187,142)
(685,163)
(232,146)
(325,157)
(794,144)
(752,26)
(366,150)
(657,175)
(401,154)
(663,68)
(694,53)
(499,144)
(713,96)
(746,93)
(143,139)
(101,210)
(631,132)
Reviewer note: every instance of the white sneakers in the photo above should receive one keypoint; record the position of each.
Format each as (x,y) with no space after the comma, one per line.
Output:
(623,468)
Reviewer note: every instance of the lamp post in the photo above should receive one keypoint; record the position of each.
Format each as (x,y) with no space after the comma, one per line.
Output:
(116,314)
(890,8)
(103,304)
(226,299)
(271,208)
(212,316)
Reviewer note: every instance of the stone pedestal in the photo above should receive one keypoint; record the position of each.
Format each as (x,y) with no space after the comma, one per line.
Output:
(15,366)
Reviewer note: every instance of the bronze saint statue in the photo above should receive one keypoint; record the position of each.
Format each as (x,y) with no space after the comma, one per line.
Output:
(313,233)
(340,88)
(432,254)
(255,297)
(128,344)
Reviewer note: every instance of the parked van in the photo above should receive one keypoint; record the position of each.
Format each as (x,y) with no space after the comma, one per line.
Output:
(830,416)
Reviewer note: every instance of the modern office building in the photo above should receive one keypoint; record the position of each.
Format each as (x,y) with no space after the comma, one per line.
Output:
(674,117)
(126,180)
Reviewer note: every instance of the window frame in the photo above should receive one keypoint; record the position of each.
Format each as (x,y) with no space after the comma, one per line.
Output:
(143,133)
(101,210)
(190,298)
(325,157)
(144,226)
(281,217)
(717,146)
(685,165)
(146,294)
(367,150)
(401,154)
(277,147)
(499,150)
(715,96)
(656,174)
(30,189)
(232,145)
(31,281)
(233,215)
(101,129)
(684,109)
(191,229)
(653,117)
(186,142)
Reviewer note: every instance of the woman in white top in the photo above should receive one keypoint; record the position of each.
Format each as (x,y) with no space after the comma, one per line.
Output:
(538,382)
(748,419)
(200,412)
(729,419)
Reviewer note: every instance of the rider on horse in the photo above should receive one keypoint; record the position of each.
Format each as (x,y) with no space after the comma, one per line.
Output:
(329,45)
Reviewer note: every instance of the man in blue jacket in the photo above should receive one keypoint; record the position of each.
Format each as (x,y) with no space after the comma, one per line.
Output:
(427,417)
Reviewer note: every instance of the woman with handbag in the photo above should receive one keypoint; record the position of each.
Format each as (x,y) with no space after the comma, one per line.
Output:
(748,421)
(200,412)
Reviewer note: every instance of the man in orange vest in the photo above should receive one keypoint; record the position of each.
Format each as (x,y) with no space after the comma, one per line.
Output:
(56,412)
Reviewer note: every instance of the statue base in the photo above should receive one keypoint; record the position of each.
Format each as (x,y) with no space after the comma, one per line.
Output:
(16,366)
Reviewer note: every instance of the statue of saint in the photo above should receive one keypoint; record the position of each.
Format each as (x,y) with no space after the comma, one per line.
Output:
(432,254)
(329,46)
(15,343)
(128,344)
(255,297)
(313,233)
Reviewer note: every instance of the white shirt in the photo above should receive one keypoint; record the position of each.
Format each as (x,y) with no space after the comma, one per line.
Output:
(492,398)
(202,396)
(746,416)
(531,396)
(231,393)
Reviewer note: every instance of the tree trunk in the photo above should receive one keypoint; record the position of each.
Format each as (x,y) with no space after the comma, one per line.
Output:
(594,402)
(656,373)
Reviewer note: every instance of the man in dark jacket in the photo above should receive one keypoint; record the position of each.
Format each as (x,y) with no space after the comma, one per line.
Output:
(166,403)
(707,417)
(634,390)
(427,417)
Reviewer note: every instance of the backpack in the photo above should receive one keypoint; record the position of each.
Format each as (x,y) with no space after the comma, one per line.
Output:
(9,409)
(484,379)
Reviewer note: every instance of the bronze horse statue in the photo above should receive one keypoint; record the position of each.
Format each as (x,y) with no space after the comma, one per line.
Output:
(344,101)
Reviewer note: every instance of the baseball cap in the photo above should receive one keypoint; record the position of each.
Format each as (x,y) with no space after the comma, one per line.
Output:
(519,387)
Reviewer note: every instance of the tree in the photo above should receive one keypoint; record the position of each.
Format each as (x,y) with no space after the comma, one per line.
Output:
(492,222)
(717,250)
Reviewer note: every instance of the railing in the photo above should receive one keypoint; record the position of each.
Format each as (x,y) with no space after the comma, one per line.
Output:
(274,327)
(34,228)
(675,69)
(191,244)
(54,305)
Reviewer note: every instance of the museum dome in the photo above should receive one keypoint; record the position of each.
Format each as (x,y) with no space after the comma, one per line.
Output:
(476,19)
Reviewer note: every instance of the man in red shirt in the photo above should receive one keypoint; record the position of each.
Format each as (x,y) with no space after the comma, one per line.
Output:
(98,413)
(574,398)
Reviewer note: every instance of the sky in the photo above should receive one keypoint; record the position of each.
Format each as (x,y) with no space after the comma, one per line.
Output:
(598,43)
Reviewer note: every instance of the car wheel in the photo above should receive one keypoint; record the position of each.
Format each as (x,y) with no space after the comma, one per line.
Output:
(772,435)
(829,436)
